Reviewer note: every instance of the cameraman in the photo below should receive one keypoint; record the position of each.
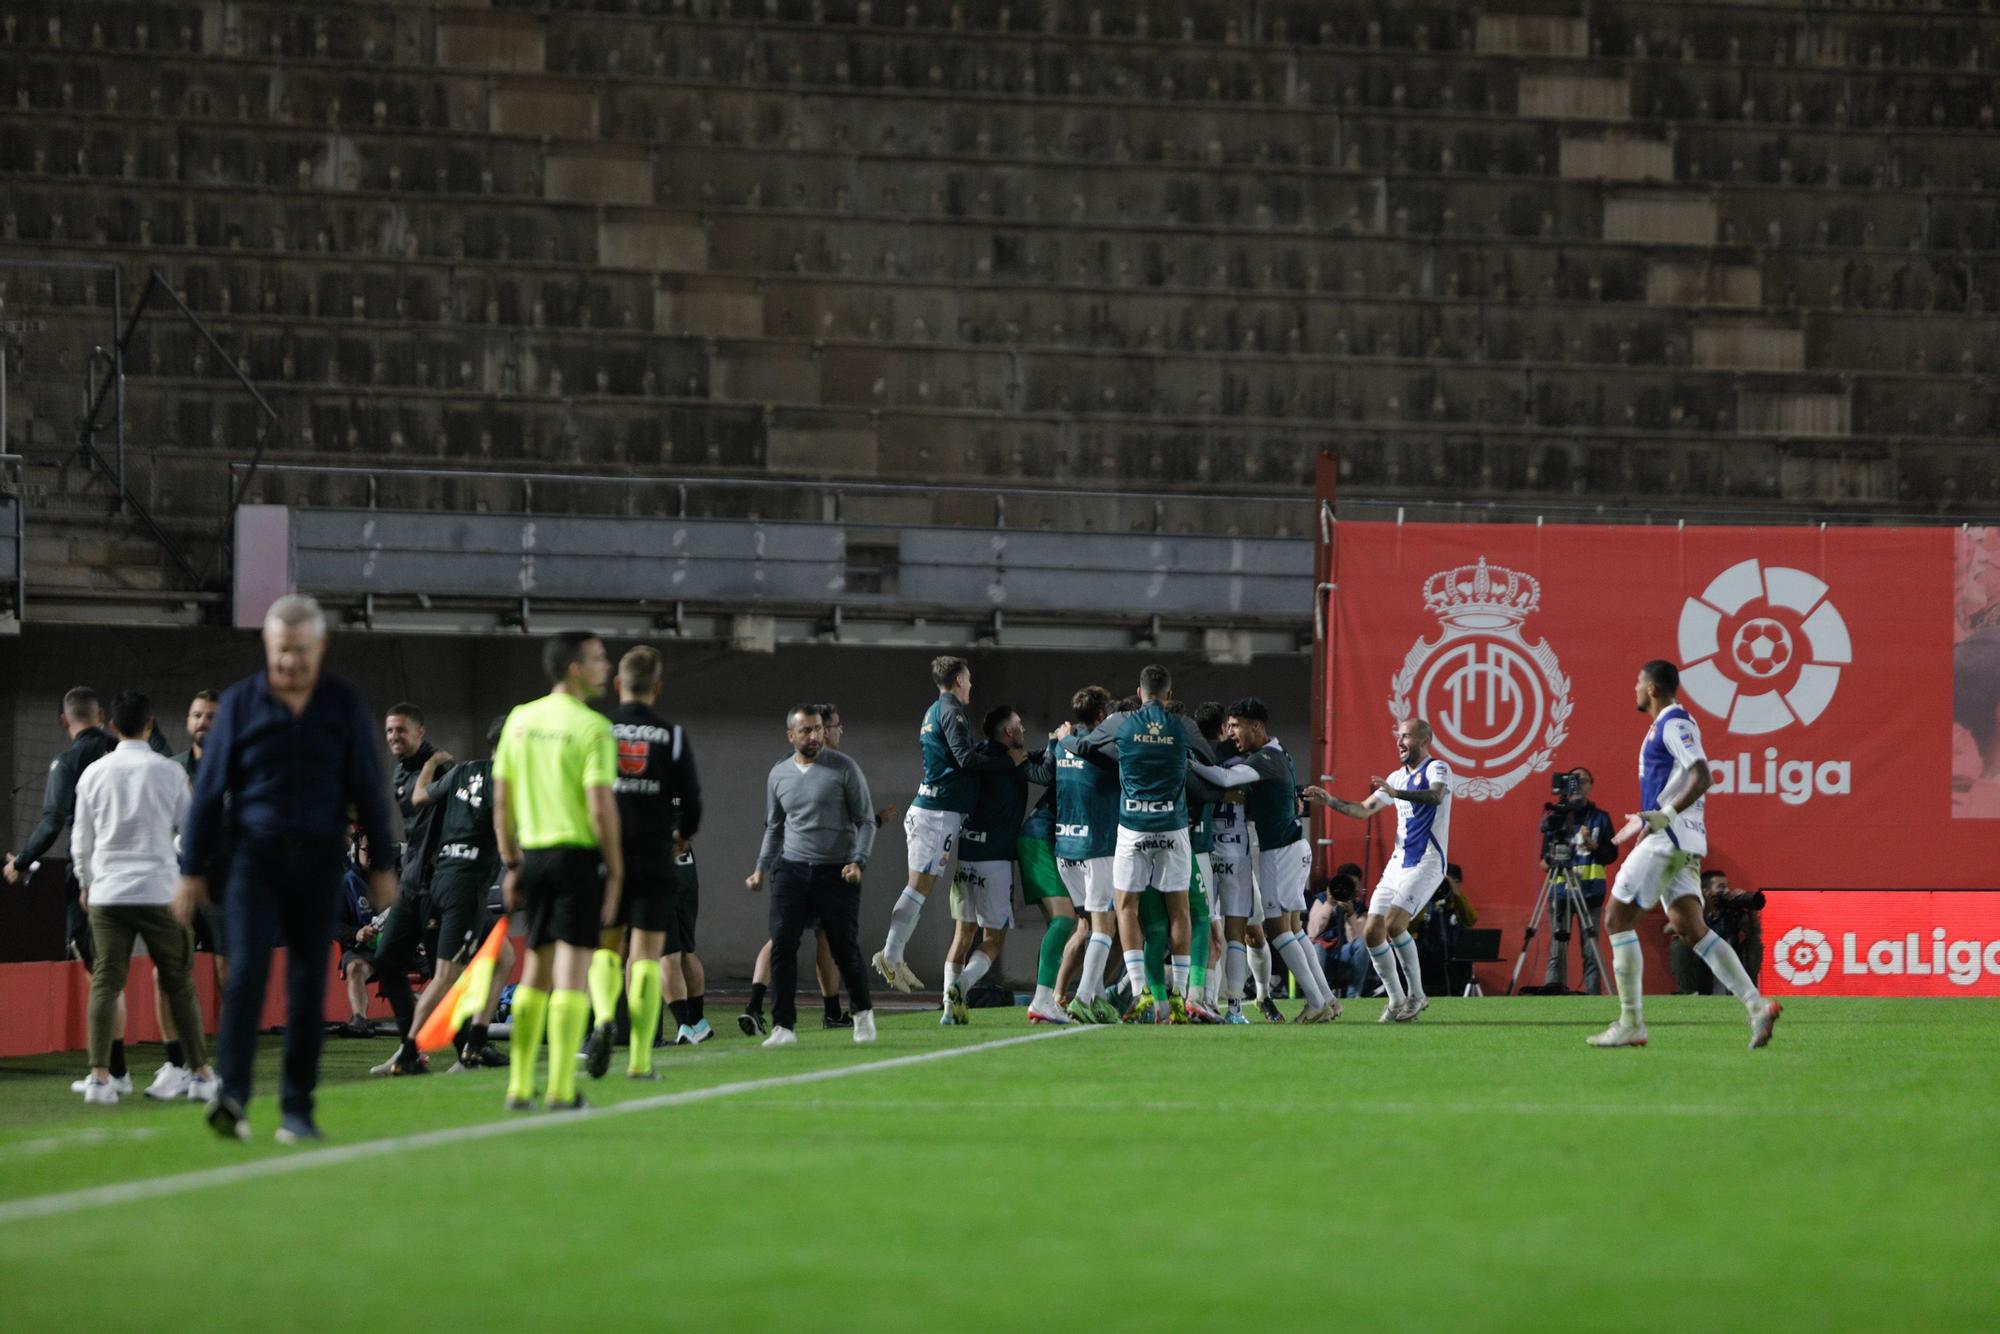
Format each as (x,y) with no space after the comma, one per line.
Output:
(1735,915)
(1573,822)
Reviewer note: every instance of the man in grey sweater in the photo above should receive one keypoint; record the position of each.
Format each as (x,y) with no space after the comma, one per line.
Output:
(819,827)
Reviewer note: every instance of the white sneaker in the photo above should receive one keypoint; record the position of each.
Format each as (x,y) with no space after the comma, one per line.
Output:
(1763,1019)
(122,1083)
(1412,1007)
(202,1089)
(170,1081)
(1314,1014)
(781,1037)
(895,972)
(1390,1011)
(864,1026)
(1620,1034)
(684,1037)
(101,1092)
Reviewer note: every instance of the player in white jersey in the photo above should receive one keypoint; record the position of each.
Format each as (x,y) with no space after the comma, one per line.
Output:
(1421,793)
(1665,866)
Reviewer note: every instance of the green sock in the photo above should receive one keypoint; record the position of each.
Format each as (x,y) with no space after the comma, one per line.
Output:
(1198,934)
(531,1012)
(642,997)
(607,979)
(569,1016)
(1054,941)
(1153,921)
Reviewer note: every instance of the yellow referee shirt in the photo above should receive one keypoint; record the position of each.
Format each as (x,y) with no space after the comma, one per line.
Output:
(552,751)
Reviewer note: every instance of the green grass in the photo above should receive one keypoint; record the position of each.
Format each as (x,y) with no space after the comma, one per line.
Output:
(1481,1169)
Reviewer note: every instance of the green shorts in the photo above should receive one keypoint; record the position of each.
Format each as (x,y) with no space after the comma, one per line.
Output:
(1039,877)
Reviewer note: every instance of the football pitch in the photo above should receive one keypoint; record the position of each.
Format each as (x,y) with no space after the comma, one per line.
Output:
(1479,1169)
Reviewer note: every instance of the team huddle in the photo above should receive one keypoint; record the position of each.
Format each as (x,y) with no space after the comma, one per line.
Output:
(1178,835)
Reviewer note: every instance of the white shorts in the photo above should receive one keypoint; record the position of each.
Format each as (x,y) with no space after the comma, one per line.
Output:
(930,835)
(1088,882)
(1151,859)
(1234,886)
(1282,874)
(1407,887)
(982,893)
(1656,871)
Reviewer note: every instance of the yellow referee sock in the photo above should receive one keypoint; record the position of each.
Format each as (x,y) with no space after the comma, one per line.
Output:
(642,997)
(531,1012)
(607,979)
(569,1016)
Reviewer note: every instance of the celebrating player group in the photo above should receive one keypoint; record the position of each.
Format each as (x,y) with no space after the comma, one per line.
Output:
(1176,834)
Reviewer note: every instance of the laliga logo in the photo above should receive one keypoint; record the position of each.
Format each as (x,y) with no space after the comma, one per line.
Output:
(1802,956)
(1498,706)
(1762,648)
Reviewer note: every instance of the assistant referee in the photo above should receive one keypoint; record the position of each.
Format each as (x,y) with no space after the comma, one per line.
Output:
(555,820)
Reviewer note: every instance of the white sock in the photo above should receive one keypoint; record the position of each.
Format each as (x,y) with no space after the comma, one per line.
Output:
(1260,968)
(1292,948)
(1090,986)
(1384,959)
(1628,966)
(1318,966)
(1721,959)
(1179,966)
(1236,967)
(951,972)
(975,968)
(1211,994)
(902,921)
(1045,1000)
(1413,972)
(1135,973)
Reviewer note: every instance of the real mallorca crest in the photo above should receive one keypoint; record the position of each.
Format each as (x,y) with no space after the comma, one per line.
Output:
(1498,705)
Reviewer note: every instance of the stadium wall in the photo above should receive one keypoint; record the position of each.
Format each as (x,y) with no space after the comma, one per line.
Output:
(732,703)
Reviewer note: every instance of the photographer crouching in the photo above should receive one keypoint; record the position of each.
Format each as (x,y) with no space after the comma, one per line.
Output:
(1734,914)
(1575,830)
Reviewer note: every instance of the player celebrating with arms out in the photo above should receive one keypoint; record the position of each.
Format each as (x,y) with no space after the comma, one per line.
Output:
(1421,791)
(1665,866)
(950,786)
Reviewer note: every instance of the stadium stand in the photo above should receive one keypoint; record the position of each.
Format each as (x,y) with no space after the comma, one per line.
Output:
(1739,256)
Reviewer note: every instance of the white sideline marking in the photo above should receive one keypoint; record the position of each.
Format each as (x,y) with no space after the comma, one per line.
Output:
(128,1192)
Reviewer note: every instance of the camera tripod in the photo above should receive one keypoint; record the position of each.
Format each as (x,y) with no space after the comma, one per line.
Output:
(1560,878)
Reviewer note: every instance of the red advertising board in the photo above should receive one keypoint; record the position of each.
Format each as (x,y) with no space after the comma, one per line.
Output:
(1819,663)
(1905,943)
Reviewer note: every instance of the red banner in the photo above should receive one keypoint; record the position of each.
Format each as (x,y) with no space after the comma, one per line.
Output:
(1819,664)
(1908,943)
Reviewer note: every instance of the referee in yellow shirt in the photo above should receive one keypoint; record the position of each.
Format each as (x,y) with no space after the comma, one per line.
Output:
(556,823)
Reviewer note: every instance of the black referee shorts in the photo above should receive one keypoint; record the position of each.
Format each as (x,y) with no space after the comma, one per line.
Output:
(562,896)
(687,906)
(648,901)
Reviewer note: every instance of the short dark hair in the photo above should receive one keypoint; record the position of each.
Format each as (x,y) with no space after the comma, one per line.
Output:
(1975,686)
(1129,704)
(130,712)
(1343,887)
(945,670)
(1349,868)
(1710,874)
(996,718)
(81,704)
(1090,704)
(1209,716)
(1665,677)
(407,710)
(797,709)
(1250,709)
(1586,773)
(206,696)
(828,712)
(1155,679)
(562,649)
(494,729)
(1454,874)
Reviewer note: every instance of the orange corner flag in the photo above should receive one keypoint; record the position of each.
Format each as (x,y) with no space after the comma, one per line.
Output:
(468,995)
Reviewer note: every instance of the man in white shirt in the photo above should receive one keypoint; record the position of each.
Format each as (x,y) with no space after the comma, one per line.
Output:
(130,805)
